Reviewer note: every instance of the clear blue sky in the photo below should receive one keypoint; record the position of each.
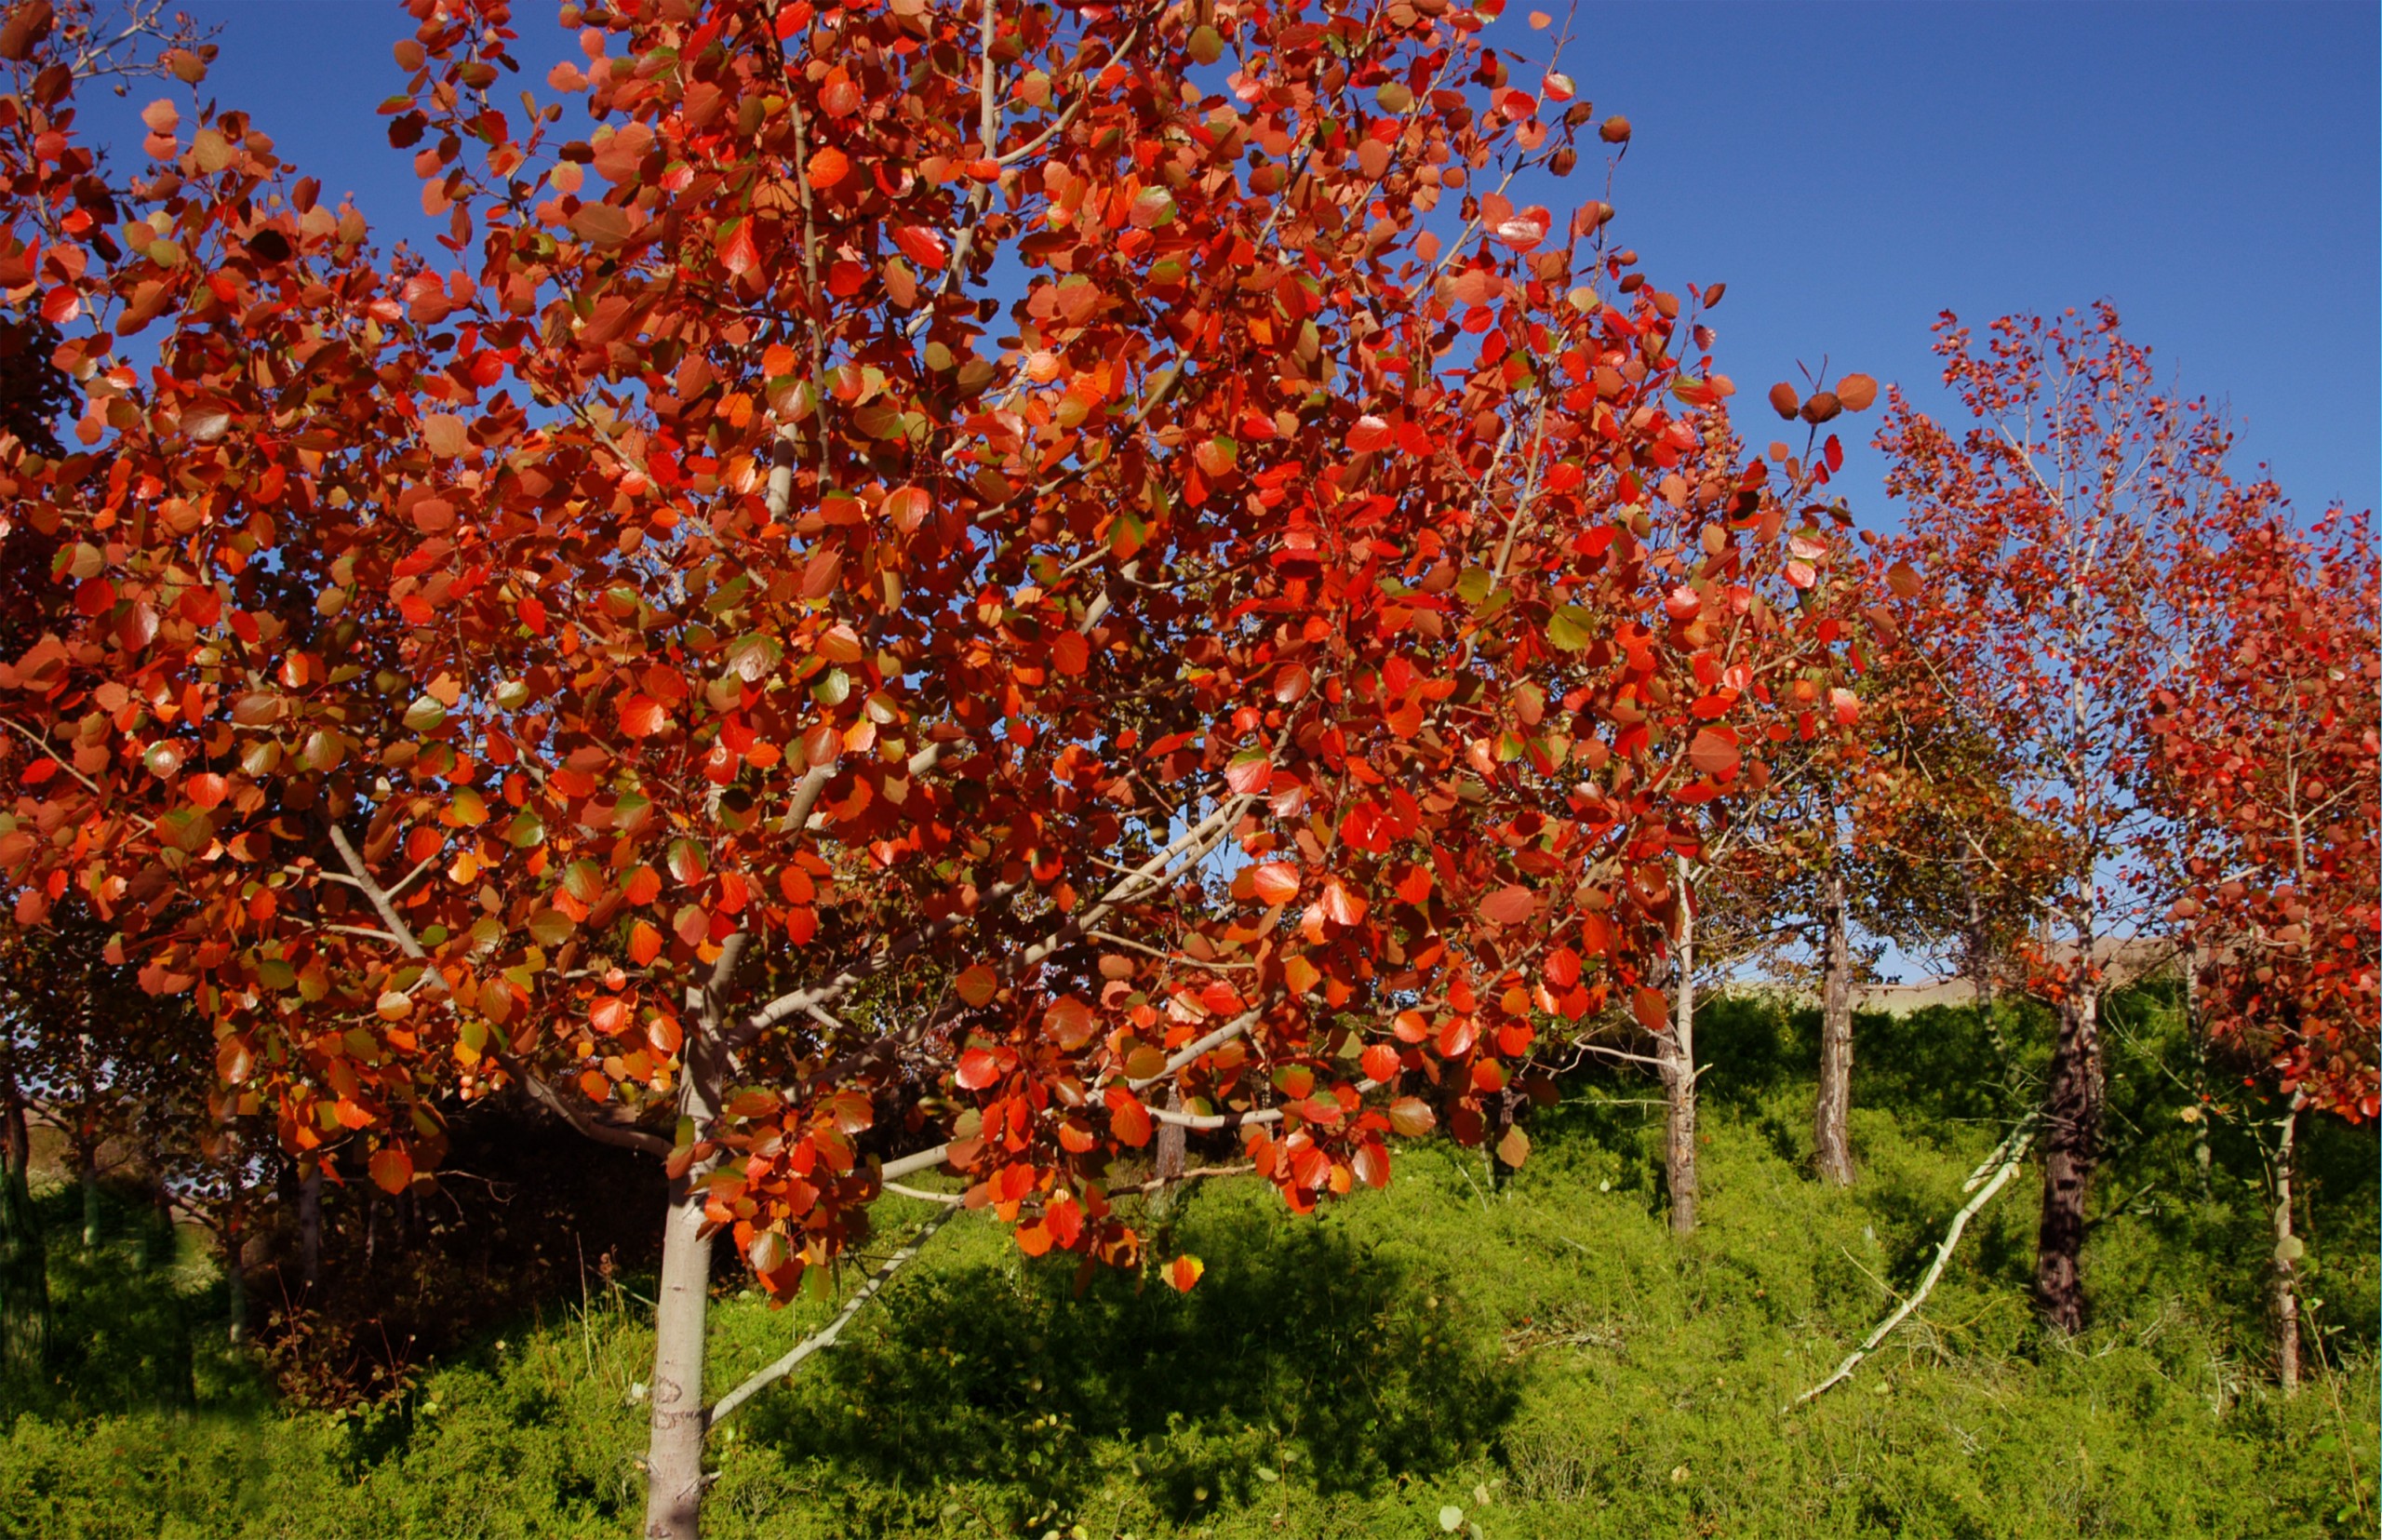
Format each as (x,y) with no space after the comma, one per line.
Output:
(1849,169)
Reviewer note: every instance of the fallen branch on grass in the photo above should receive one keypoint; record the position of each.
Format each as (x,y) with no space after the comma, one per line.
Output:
(2003,1163)
(826,1336)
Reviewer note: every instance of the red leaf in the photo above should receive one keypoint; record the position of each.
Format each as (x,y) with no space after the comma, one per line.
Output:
(977,1069)
(740,255)
(1276,882)
(608,1016)
(1369,433)
(1249,772)
(642,715)
(1510,905)
(1071,652)
(1183,1272)
(919,244)
(1713,751)
(645,944)
(1340,905)
(1380,1062)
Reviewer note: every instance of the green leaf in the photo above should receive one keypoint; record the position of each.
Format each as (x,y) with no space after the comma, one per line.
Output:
(1570,628)
(1475,584)
(551,927)
(425,715)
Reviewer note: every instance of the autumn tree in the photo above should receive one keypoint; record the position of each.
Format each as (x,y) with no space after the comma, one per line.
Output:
(945,588)
(2264,758)
(2043,532)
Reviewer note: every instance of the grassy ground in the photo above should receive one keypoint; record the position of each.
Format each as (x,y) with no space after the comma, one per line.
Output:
(1536,1359)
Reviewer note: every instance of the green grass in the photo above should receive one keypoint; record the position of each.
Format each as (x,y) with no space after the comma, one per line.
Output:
(1542,1357)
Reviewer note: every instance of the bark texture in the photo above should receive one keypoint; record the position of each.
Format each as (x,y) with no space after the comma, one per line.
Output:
(1832,1138)
(2287,1251)
(1677,1056)
(24,1265)
(2071,1150)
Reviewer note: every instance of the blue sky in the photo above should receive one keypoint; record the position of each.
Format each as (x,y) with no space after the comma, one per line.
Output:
(1849,169)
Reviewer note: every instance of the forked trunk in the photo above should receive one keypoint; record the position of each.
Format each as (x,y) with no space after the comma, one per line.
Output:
(2287,1251)
(1832,1138)
(2071,1150)
(1677,1056)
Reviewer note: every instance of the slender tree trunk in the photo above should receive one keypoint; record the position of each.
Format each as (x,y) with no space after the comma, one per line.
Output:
(234,1241)
(2071,1150)
(1979,958)
(1677,1056)
(310,1226)
(673,1458)
(673,1454)
(1832,1138)
(24,1262)
(1174,1140)
(2287,1251)
(87,1171)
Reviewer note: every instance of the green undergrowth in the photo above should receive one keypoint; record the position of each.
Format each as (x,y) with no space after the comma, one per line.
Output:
(1535,1356)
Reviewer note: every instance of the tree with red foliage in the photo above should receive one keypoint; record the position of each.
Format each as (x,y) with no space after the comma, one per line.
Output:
(2266,760)
(2041,540)
(679,660)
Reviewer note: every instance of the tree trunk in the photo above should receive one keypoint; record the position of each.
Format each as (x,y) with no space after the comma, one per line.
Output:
(2287,1251)
(1173,1140)
(2072,1149)
(24,1262)
(86,1169)
(674,1450)
(310,1226)
(1832,1138)
(1677,1056)
(1979,957)
(673,1460)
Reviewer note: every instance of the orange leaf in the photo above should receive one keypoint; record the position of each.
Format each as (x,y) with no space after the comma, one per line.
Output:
(1514,1149)
(645,944)
(828,166)
(446,434)
(392,1169)
(1128,1119)
(978,984)
(1183,1272)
